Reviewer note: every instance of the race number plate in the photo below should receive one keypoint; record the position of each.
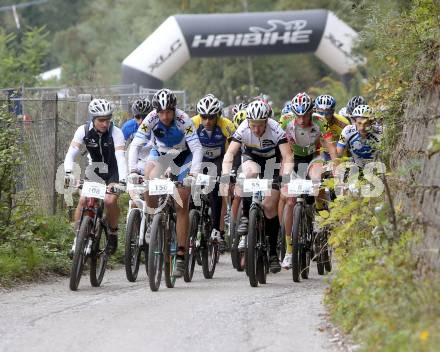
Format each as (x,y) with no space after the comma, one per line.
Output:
(253,185)
(202,180)
(158,187)
(298,187)
(93,190)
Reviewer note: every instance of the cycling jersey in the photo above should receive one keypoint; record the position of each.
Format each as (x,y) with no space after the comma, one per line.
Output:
(101,148)
(362,149)
(285,120)
(215,142)
(304,141)
(264,146)
(129,128)
(331,132)
(180,136)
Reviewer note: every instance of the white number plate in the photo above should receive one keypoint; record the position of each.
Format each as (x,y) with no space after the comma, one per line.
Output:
(255,185)
(158,187)
(93,190)
(202,180)
(298,187)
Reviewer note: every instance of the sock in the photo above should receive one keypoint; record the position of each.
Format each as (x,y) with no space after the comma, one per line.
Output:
(289,244)
(247,201)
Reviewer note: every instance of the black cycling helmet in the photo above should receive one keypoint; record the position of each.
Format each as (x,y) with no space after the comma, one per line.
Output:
(355,101)
(141,107)
(164,99)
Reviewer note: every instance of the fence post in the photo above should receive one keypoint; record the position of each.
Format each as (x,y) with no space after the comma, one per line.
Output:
(82,108)
(50,111)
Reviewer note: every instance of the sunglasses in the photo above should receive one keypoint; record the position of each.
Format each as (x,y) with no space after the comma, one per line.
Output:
(209,117)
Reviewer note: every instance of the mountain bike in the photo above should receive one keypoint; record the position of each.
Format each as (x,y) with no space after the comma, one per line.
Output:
(92,235)
(162,249)
(302,237)
(199,242)
(257,248)
(137,232)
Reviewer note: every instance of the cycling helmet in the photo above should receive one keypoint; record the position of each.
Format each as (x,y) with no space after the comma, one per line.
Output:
(141,107)
(325,102)
(355,101)
(100,108)
(239,118)
(343,112)
(301,104)
(258,110)
(363,111)
(287,108)
(209,105)
(164,99)
(238,107)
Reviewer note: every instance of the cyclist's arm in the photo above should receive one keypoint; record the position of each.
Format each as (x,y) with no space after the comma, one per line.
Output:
(228,159)
(192,139)
(74,149)
(286,154)
(119,142)
(142,136)
(342,143)
(331,148)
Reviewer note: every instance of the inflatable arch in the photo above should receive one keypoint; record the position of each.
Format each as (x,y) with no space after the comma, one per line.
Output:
(181,37)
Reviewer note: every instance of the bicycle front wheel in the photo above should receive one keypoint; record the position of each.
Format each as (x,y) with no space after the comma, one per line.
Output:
(155,253)
(99,258)
(132,254)
(190,253)
(296,238)
(79,257)
(255,265)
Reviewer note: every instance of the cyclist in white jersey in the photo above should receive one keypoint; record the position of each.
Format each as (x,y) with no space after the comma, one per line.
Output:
(263,144)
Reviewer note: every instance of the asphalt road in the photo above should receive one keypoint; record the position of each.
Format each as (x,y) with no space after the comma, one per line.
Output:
(222,314)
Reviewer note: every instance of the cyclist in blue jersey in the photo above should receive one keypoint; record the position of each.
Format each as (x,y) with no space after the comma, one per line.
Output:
(140,109)
(175,145)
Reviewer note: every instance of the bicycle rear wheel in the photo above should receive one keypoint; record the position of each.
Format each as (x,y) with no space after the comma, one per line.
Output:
(190,253)
(170,252)
(155,253)
(99,257)
(209,250)
(132,254)
(298,213)
(79,257)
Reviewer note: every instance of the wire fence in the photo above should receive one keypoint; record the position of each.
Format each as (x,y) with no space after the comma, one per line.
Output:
(48,119)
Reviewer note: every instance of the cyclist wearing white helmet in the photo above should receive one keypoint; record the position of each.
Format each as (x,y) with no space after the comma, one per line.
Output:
(263,144)
(105,143)
(353,103)
(360,139)
(175,142)
(214,133)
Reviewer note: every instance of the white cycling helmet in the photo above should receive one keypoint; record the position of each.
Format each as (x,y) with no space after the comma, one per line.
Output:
(164,99)
(301,104)
(362,111)
(209,105)
(100,108)
(238,107)
(258,110)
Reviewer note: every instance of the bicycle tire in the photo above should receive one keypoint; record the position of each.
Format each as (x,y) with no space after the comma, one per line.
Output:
(170,252)
(155,253)
(209,250)
(327,254)
(252,250)
(79,257)
(132,254)
(318,252)
(190,252)
(99,257)
(236,255)
(296,246)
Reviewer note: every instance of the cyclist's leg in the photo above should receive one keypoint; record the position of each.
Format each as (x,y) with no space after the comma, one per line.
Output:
(216,205)
(251,169)
(112,213)
(183,161)
(315,171)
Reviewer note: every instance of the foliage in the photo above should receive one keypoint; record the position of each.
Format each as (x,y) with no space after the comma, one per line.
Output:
(375,294)
(22,56)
